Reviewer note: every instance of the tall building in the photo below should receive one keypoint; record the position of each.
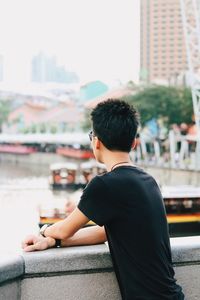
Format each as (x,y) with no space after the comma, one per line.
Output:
(46,69)
(162,45)
(1,67)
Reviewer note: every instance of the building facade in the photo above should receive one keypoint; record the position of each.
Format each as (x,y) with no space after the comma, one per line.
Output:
(162,44)
(46,69)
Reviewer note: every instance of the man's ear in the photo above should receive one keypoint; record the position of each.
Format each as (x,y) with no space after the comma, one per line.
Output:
(97,143)
(134,144)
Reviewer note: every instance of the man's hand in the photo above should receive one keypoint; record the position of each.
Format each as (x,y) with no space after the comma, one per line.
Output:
(37,243)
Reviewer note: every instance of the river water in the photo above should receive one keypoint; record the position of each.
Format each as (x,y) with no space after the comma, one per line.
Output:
(24,189)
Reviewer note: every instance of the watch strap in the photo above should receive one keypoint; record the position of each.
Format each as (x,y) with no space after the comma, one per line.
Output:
(58,243)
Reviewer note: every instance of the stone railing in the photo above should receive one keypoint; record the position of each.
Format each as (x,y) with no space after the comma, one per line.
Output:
(85,273)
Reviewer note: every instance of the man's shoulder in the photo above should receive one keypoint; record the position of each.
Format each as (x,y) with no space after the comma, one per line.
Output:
(96,182)
(133,173)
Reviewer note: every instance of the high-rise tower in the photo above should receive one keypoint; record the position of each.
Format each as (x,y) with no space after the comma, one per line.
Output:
(162,46)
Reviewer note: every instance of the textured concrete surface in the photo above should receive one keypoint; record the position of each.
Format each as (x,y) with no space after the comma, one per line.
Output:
(86,273)
(97,257)
(97,286)
(189,278)
(185,249)
(10,291)
(11,266)
(68,259)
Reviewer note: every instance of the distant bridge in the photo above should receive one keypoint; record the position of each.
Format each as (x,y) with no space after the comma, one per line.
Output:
(177,152)
(39,138)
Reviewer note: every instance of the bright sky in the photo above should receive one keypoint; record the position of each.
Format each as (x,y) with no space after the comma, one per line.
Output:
(99,39)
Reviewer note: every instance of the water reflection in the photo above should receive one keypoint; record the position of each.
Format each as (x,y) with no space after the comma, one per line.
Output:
(23,189)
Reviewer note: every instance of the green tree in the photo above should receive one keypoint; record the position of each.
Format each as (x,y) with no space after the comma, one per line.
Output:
(4,112)
(86,123)
(42,128)
(53,129)
(33,128)
(171,103)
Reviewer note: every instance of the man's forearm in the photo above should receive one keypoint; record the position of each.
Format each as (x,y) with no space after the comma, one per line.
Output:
(86,236)
(68,227)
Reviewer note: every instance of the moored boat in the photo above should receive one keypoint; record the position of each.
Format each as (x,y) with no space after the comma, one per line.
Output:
(65,176)
(16,149)
(182,205)
(50,213)
(73,176)
(79,152)
(70,177)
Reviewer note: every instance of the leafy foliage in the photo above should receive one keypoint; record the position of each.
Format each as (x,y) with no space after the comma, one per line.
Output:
(4,112)
(86,124)
(171,103)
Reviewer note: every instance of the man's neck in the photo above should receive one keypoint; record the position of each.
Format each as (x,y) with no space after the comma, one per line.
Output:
(117,159)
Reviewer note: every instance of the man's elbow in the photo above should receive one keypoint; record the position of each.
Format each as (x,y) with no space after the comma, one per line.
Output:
(102,234)
(62,233)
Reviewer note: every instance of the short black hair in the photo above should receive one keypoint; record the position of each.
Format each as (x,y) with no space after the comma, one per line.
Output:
(115,123)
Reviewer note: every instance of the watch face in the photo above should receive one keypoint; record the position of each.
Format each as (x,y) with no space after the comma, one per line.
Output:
(42,230)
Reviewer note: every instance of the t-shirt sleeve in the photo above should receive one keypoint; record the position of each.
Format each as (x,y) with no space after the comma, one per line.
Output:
(95,202)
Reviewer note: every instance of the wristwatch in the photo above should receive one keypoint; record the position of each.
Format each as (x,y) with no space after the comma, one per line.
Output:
(42,232)
(43,228)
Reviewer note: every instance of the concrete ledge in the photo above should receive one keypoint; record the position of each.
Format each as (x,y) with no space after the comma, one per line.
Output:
(11,267)
(73,259)
(85,272)
(185,249)
(84,258)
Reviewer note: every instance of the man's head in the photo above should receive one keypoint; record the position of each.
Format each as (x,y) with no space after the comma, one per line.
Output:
(115,123)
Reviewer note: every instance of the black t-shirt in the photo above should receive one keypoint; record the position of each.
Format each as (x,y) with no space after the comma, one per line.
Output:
(128,202)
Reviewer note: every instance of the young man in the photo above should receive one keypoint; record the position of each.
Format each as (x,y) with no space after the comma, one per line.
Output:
(127,206)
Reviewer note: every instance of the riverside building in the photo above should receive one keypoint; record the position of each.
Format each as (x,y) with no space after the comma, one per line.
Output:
(162,44)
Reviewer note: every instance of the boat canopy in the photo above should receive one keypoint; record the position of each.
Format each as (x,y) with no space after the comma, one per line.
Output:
(182,191)
(63,165)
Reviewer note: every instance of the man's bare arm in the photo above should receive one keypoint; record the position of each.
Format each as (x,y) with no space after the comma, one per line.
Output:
(86,236)
(69,231)
(68,227)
